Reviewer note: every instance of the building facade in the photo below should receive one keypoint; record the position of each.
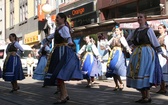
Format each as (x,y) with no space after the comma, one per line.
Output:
(23,17)
(81,13)
(27,20)
(128,8)
(123,11)
(2,22)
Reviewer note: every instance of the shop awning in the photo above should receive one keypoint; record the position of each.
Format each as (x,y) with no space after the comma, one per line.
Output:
(109,24)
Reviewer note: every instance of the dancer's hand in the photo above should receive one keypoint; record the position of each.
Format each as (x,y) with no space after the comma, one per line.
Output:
(79,56)
(130,52)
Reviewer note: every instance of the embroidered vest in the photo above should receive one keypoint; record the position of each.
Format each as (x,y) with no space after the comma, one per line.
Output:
(116,42)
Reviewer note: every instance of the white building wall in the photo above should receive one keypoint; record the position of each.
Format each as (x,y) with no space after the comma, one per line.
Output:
(2,22)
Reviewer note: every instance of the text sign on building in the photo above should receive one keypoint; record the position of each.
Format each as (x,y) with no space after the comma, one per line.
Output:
(31,37)
(84,20)
(80,10)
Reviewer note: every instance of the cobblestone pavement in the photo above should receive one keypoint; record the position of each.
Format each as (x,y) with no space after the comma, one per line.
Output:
(31,93)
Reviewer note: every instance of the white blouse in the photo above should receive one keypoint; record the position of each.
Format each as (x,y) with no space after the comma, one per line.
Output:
(64,32)
(94,49)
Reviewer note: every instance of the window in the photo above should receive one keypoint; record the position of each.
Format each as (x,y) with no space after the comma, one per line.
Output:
(127,10)
(1,12)
(23,10)
(150,7)
(67,1)
(62,1)
(37,2)
(11,13)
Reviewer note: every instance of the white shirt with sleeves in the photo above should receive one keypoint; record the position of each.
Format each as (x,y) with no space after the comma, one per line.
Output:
(166,42)
(124,43)
(18,46)
(64,32)
(95,50)
(82,49)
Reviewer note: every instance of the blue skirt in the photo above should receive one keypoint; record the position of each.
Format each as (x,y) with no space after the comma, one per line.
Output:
(117,65)
(91,66)
(62,64)
(164,64)
(144,68)
(13,71)
(0,73)
(39,72)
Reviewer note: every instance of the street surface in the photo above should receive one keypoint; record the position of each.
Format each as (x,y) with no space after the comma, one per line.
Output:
(32,93)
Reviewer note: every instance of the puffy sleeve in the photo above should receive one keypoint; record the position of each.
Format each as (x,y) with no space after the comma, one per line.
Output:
(95,50)
(166,42)
(47,39)
(65,33)
(104,44)
(51,36)
(47,49)
(82,49)
(124,43)
(18,46)
(110,41)
(154,41)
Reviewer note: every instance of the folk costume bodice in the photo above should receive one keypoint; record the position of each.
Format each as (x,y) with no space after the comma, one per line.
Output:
(116,42)
(11,47)
(57,37)
(141,37)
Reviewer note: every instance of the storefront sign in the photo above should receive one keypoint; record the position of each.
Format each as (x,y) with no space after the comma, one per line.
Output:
(80,10)
(153,24)
(84,20)
(31,37)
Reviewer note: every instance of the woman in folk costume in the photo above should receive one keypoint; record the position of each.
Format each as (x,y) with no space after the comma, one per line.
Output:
(12,69)
(91,66)
(63,64)
(163,40)
(144,69)
(116,65)
(39,72)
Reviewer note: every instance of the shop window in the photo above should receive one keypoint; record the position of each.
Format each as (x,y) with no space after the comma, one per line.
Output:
(149,6)
(11,13)
(127,10)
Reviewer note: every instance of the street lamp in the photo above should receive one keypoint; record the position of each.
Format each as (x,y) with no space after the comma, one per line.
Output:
(46,8)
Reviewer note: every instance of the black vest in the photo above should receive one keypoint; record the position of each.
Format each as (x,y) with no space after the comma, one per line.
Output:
(58,38)
(141,36)
(11,47)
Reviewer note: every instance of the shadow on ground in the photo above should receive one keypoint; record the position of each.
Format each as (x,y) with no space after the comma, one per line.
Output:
(32,93)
